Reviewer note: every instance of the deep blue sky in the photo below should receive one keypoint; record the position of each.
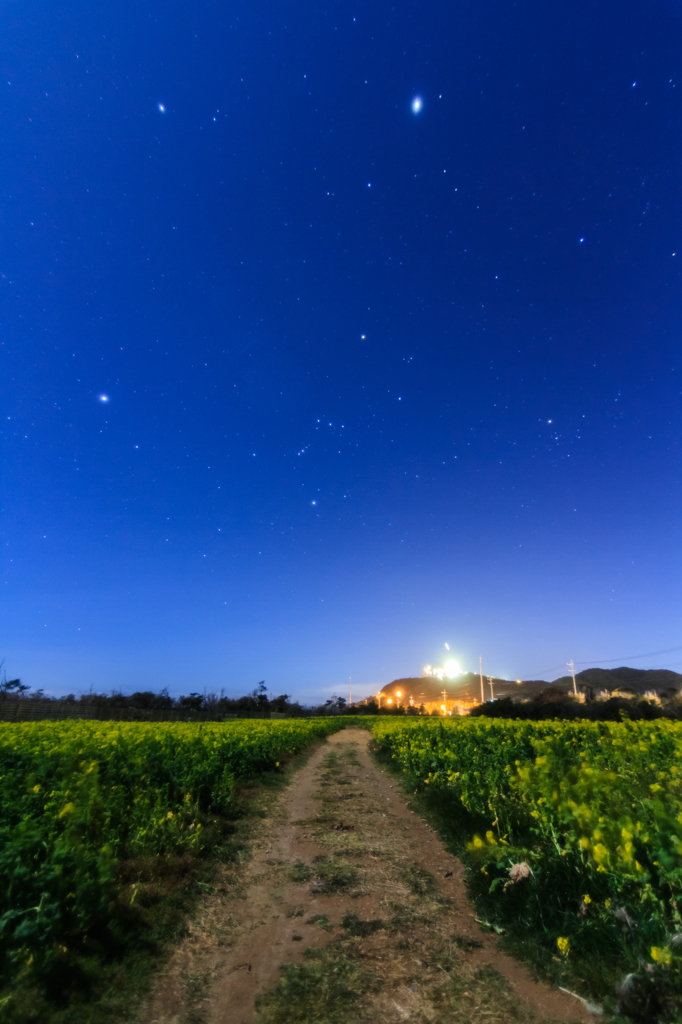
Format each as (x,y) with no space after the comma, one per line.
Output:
(377,379)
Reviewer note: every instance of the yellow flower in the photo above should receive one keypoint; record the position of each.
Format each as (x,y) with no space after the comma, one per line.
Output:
(661,955)
(600,853)
(564,945)
(170,814)
(66,810)
(587,900)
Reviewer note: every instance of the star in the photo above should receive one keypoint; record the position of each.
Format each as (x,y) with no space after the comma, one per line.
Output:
(163,109)
(103,398)
(417,104)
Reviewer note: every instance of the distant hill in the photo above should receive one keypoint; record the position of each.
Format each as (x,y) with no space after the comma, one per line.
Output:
(467,687)
(638,680)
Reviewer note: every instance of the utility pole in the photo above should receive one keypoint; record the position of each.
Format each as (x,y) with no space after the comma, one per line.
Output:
(445,703)
(350,691)
(572,668)
(480,669)
(490,680)
(379,696)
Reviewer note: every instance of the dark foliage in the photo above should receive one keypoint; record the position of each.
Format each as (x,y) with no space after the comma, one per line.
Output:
(147,703)
(557,706)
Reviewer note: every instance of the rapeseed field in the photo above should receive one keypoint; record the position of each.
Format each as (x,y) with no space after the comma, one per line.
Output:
(76,798)
(573,834)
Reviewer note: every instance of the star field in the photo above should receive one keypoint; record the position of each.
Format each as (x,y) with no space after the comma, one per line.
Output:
(329,334)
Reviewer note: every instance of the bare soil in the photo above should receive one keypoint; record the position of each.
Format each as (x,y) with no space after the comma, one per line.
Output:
(349,910)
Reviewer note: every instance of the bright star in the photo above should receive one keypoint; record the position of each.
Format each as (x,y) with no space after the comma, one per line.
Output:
(417,104)
(103,398)
(162,108)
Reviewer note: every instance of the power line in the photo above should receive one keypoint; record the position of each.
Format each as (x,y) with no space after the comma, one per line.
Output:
(611,661)
(631,657)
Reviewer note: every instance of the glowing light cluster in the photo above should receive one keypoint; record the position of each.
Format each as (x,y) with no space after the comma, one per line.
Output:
(449,670)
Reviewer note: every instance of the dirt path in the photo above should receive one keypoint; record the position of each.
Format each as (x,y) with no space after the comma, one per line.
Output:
(357,895)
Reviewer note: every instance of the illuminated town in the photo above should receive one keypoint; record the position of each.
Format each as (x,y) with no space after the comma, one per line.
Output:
(447,689)
(425,694)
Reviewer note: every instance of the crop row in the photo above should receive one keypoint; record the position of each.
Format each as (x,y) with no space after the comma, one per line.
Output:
(583,818)
(75,797)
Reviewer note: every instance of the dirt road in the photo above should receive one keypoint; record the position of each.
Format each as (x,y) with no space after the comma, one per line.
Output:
(349,910)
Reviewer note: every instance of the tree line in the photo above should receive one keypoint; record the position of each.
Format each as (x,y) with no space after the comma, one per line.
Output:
(257,701)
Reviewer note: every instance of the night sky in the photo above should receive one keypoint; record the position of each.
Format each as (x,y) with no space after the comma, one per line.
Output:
(334,332)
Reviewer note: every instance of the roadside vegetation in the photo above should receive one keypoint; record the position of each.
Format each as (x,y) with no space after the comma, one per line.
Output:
(572,835)
(108,834)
